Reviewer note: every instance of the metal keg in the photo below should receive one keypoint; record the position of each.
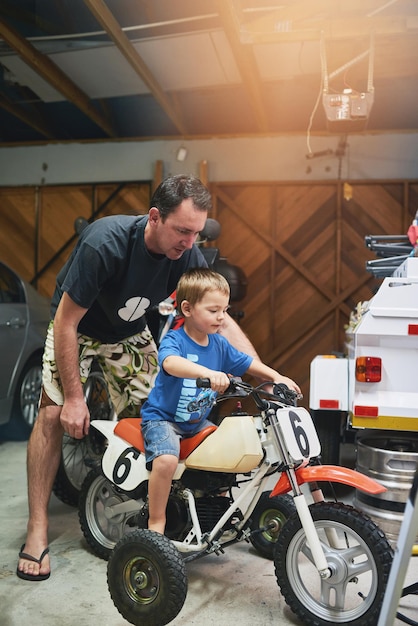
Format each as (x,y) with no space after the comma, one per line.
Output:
(391,458)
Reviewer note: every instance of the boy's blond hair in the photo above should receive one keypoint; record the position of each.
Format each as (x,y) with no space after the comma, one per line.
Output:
(194,283)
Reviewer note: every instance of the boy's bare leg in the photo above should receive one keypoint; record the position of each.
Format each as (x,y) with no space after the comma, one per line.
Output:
(163,468)
(43,457)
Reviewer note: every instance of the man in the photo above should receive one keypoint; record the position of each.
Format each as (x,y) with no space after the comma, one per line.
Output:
(122,265)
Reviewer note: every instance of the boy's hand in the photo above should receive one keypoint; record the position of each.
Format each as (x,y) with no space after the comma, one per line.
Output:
(219,381)
(289,382)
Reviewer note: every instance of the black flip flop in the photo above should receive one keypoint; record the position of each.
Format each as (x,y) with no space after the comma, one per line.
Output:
(29,557)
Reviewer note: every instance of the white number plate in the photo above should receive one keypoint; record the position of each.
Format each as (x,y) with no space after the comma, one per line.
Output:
(299,433)
(123,465)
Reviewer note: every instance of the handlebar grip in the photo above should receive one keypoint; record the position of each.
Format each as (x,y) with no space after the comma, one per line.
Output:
(203,383)
(285,394)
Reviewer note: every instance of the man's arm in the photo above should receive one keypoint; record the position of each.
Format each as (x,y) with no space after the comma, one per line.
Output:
(264,372)
(75,415)
(239,340)
(237,337)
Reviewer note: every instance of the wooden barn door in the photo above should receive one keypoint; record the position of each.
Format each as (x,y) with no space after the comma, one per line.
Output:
(37,224)
(302,249)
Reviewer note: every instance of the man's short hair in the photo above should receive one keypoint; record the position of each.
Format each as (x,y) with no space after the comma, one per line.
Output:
(173,190)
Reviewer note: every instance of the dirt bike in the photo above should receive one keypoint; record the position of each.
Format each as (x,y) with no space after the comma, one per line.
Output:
(331,561)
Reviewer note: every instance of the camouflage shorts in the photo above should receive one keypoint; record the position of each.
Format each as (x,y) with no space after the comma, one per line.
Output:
(129,367)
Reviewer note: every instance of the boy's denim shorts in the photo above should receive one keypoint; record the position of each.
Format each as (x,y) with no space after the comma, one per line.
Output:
(162,437)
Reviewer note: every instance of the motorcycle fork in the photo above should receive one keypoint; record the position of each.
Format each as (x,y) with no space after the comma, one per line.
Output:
(318,496)
(302,507)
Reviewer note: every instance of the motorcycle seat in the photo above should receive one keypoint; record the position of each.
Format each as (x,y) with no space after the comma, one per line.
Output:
(129,429)
(188,444)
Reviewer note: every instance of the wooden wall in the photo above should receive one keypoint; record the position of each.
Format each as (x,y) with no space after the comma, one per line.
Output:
(303,251)
(37,224)
(301,246)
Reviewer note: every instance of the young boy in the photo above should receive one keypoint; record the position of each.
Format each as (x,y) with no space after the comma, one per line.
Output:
(174,408)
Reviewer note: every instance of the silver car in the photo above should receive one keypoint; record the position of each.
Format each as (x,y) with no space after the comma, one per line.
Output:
(24,318)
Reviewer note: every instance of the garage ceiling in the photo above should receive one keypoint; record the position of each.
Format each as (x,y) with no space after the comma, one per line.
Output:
(134,69)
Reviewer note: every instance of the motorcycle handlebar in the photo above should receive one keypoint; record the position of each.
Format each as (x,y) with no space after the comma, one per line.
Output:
(281,392)
(234,384)
(203,383)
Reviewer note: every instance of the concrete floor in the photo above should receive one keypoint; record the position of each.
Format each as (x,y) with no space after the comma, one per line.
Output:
(238,587)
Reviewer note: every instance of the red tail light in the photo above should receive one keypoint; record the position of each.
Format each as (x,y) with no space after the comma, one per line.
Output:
(368,369)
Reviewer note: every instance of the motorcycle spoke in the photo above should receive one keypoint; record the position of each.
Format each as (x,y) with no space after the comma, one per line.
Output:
(334,594)
(102,524)
(356,561)
(74,454)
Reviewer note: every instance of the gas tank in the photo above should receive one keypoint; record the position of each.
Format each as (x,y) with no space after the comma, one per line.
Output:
(233,447)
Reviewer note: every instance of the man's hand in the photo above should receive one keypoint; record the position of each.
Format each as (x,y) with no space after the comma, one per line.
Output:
(75,418)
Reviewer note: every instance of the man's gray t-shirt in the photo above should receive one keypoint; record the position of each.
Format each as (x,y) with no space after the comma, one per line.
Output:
(112,274)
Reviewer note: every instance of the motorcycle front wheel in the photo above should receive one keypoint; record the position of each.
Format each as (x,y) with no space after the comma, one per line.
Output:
(101,528)
(359,559)
(146,577)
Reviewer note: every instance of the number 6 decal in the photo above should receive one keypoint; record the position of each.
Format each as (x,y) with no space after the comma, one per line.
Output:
(300,434)
(123,465)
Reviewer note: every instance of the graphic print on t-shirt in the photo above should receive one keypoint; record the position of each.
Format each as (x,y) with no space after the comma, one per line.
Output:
(134,309)
(189,403)
(201,403)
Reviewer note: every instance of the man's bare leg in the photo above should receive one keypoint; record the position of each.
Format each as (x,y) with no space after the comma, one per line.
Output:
(43,457)
(159,485)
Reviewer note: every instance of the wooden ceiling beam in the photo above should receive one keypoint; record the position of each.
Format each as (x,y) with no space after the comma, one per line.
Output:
(27,118)
(244,59)
(299,10)
(273,29)
(50,72)
(104,17)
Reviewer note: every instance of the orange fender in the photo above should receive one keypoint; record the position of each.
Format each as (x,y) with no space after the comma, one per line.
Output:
(329,473)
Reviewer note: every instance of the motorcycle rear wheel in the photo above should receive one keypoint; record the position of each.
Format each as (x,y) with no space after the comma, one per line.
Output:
(272,512)
(147,579)
(78,456)
(359,564)
(101,530)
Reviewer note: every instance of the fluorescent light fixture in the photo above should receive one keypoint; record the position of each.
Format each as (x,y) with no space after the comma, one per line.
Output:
(181,154)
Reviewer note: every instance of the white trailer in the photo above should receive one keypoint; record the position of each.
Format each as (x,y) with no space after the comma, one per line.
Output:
(375,386)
